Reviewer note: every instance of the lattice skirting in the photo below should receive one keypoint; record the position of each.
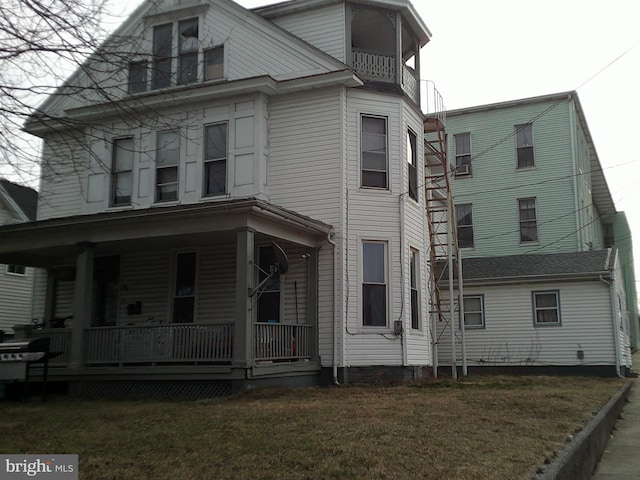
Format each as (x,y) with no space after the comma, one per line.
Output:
(174,389)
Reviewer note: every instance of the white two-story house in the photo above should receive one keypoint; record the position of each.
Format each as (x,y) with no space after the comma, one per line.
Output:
(231,197)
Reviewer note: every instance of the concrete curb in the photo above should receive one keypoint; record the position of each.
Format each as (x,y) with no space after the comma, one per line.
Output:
(579,458)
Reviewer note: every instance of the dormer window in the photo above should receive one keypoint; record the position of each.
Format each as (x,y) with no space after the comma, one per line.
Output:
(188,51)
(161,74)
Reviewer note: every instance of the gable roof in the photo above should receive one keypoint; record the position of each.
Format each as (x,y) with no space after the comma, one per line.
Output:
(295,47)
(22,200)
(591,263)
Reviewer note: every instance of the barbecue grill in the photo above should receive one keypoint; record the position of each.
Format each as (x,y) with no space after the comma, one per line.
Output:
(17,357)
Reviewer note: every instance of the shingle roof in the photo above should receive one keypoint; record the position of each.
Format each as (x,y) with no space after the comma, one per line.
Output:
(25,198)
(593,262)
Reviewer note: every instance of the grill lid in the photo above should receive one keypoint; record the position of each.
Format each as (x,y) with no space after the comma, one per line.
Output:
(26,345)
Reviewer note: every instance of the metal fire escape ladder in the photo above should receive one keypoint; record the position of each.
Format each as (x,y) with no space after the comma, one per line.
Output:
(444,257)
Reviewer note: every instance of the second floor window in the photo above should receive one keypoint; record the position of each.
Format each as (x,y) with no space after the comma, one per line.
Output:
(412,160)
(528,220)
(463,153)
(162,46)
(167,161)
(464,223)
(215,159)
(121,171)
(373,149)
(524,145)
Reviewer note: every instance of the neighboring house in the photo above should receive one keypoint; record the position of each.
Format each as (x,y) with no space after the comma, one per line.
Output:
(217,131)
(17,204)
(535,220)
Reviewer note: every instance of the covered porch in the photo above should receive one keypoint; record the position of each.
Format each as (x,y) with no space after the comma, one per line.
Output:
(178,292)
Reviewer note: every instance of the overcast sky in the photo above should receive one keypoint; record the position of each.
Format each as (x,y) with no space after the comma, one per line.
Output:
(498,50)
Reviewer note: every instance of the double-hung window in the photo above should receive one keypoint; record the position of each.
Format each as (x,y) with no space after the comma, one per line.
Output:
(214,63)
(528,220)
(167,161)
(138,76)
(415,289)
(524,145)
(184,298)
(162,50)
(188,51)
(473,311)
(215,159)
(374,284)
(121,171)
(546,307)
(412,164)
(373,149)
(464,224)
(463,153)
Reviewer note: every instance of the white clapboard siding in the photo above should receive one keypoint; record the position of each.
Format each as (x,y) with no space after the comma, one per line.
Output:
(145,277)
(510,337)
(15,298)
(216,288)
(306,155)
(375,215)
(323,28)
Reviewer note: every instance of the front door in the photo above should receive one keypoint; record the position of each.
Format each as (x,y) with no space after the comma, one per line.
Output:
(184,298)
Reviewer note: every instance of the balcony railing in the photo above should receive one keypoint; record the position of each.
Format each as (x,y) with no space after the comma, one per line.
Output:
(159,344)
(410,83)
(280,342)
(374,66)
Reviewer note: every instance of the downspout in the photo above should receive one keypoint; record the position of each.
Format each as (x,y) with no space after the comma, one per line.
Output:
(335,317)
(614,315)
(574,147)
(403,338)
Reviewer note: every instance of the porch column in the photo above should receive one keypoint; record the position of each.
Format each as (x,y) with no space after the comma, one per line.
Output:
(50,299)
(399,59)
(418,76)
(312,301)
(82,293)
(243,335)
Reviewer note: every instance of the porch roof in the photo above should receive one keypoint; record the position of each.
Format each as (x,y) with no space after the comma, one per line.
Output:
(47,242)
(588,264)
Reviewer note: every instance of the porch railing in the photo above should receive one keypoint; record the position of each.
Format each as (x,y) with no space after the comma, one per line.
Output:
(159,344)
(277,341)
(60,344)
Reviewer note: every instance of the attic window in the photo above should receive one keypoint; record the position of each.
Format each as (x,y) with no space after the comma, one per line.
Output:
(188,51)
(214,63)
(161,75)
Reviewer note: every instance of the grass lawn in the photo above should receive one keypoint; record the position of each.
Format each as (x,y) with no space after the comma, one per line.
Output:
(479,428)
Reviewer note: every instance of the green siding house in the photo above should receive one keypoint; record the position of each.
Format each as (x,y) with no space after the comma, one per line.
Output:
(529,190)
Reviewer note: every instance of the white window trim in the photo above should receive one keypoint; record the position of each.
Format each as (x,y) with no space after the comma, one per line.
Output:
(535,308)
(227,186)
(179,166)
(112,183)
(482,312)
(418,274)
(361,115)
(470,155)
(388,328)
